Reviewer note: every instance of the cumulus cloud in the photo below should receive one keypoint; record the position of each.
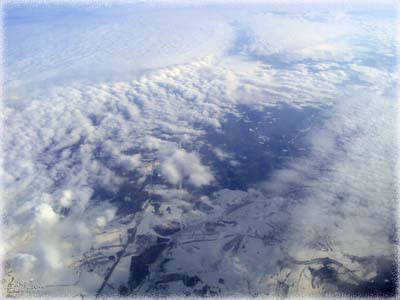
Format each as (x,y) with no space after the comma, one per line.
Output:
(45,215)
(346,186)
(66,199)
(179,166)
(105,34)
(23,263)
(332,208)
(72,148)
(75,141)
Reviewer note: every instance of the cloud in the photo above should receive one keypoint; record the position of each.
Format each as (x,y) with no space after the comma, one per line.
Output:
(179,166)
(345,187)
(23,263)
(66,199)
(331,209)
(60,151)
(71,148)
(45,215)
(98,43)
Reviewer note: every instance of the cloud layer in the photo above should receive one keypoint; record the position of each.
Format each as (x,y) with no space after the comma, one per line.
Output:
(79,153)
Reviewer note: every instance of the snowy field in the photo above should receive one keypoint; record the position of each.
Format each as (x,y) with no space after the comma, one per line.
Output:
(199,148)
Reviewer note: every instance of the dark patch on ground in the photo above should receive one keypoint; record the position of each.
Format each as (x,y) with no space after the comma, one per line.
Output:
(257,143)
(139,268)
(384,284)
(234,244)
(130,199)
(189,281)
(167,229)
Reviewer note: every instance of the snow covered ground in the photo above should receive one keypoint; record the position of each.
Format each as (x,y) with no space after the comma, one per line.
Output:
(199,149)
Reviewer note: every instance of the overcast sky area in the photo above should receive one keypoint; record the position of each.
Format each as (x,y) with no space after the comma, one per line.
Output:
(206,148)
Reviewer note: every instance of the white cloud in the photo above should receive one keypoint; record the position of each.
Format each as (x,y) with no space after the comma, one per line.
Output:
(66,199)
(337,202)
(95,41)
(45,215)
(179,166)
(23,263)
(64,143)
(346,183)
(101,221)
